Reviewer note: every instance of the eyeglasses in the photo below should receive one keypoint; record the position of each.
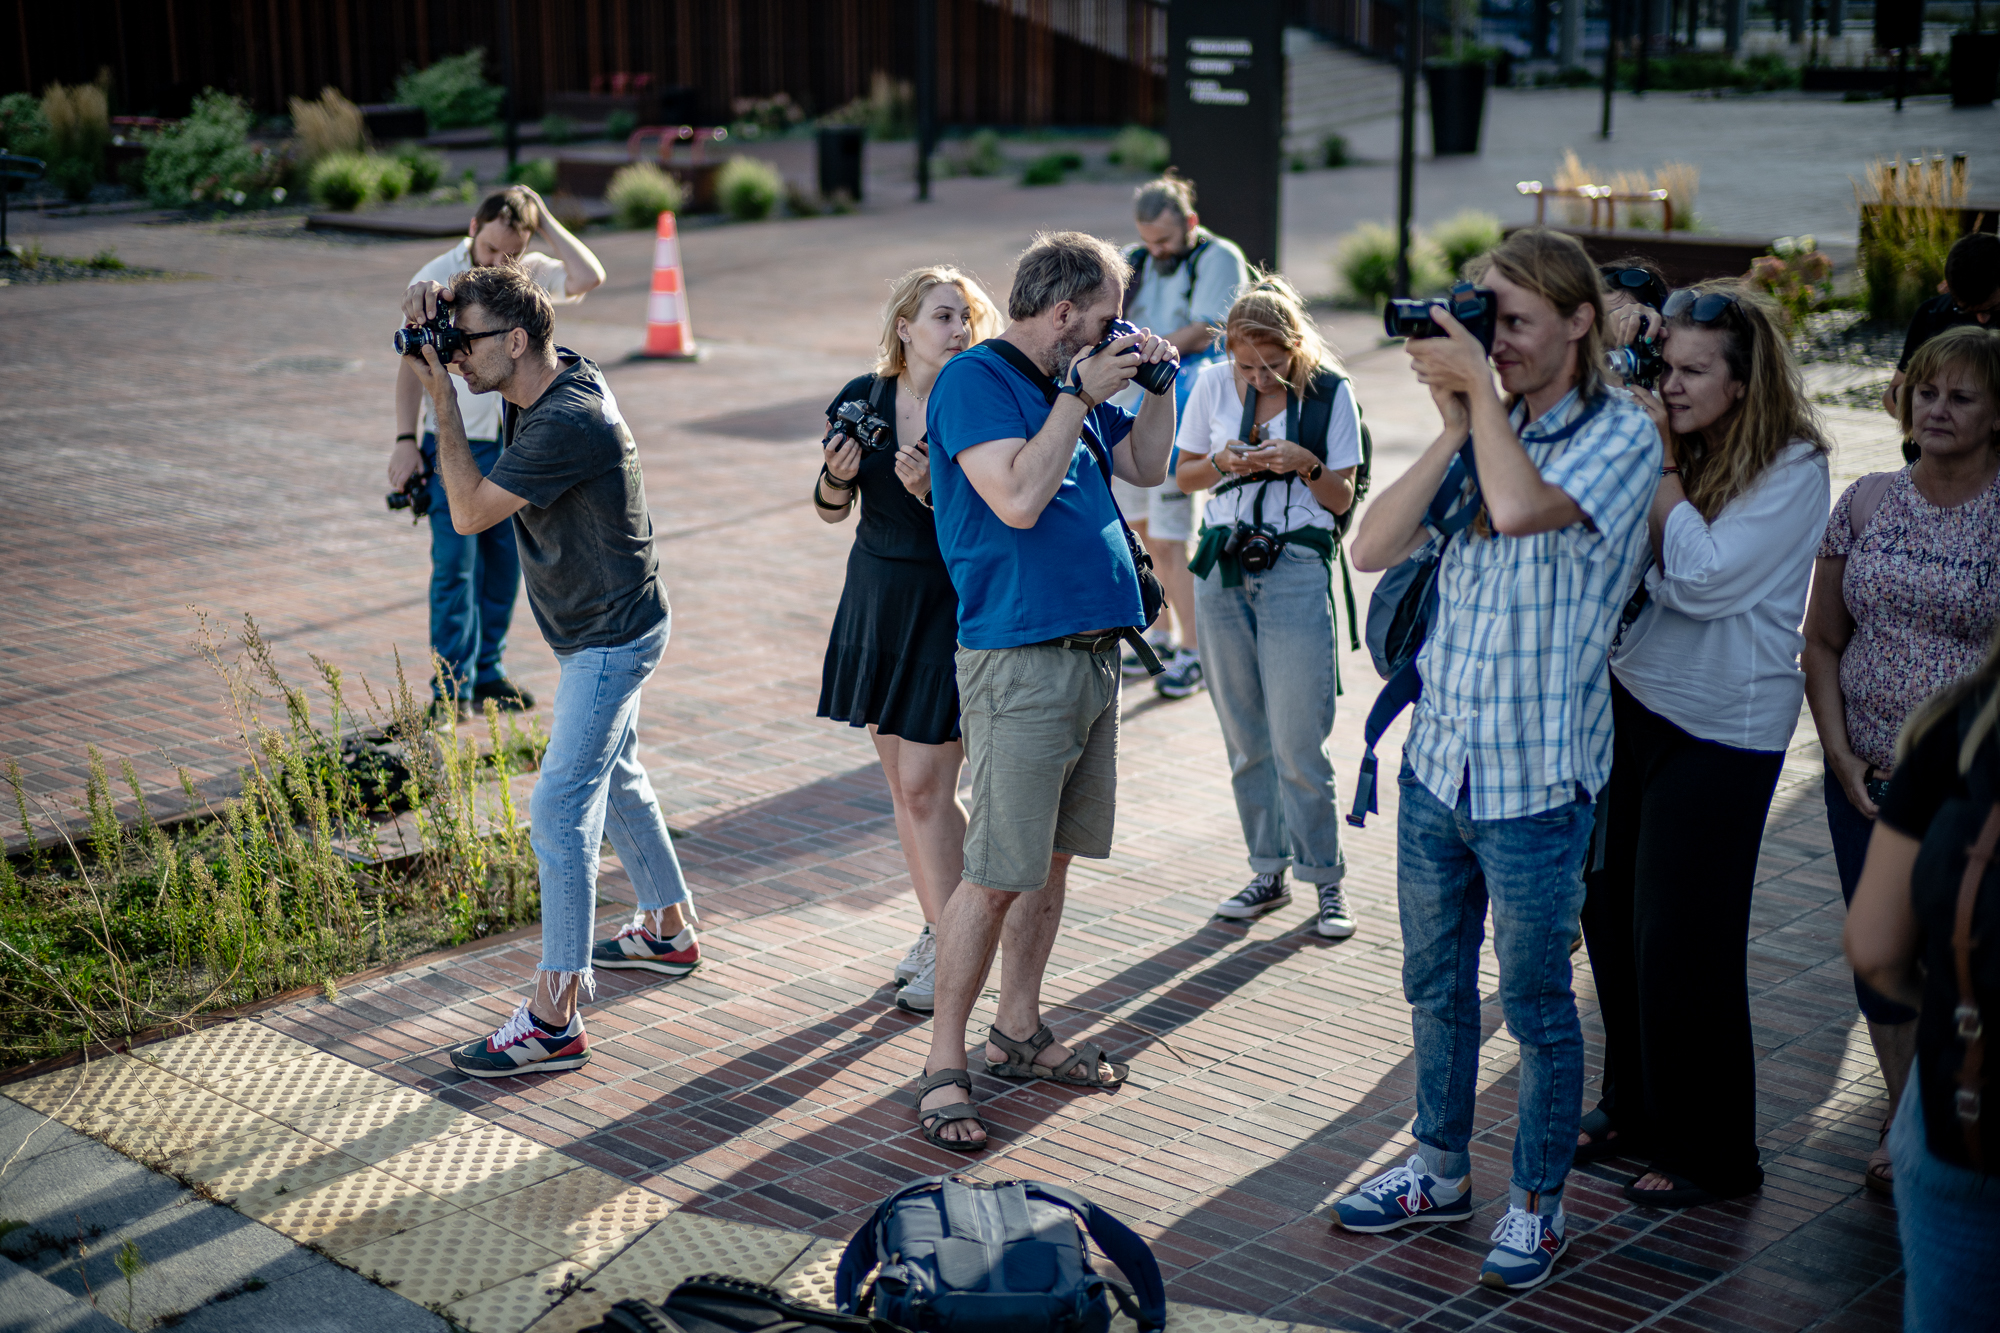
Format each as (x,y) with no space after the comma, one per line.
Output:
(1701,307)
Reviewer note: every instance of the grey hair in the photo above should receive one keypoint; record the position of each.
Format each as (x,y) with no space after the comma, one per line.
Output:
(1156,197)
(1063,266)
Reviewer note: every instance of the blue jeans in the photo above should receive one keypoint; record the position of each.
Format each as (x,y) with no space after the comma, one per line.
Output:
(1267,655)
(592,787)
(1850,831)
(1949,1221)
(1448,867)
(474,580)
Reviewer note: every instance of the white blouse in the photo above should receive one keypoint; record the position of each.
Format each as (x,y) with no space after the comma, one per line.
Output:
(1214,416)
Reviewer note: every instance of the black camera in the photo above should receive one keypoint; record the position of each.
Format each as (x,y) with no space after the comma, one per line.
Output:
(415,496)
(1153,376)
(1469,305)
(858,423)
(1642,363)
(1256,549)
(439,332)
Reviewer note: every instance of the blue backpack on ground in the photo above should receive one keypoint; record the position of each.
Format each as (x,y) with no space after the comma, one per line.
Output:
(965,1256)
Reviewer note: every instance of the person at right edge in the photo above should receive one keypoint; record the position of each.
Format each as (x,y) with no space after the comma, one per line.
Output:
(1511,738)
(1903,602)
(1969,296)
(1023,440)
(1705,695)
(1924,928)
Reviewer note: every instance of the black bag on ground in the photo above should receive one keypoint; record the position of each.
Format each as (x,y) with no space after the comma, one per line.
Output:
(963,1256)
(713,1303)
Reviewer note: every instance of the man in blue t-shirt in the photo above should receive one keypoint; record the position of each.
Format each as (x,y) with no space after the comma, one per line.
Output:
(1021,439)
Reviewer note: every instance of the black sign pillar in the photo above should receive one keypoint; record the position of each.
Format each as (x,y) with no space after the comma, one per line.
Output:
(1226,114)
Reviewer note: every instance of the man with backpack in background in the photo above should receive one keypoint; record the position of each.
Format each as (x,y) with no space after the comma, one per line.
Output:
(1511,738)
(1184,278)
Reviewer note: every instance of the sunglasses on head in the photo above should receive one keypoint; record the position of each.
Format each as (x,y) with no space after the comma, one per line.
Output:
(1636,281)
(1701,307)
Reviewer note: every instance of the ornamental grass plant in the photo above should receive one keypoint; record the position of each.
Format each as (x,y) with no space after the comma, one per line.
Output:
(327,126)
(1909,220)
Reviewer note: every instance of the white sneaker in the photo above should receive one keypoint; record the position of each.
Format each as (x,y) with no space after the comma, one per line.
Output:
(1525,1249)
(920,953)
(920,995)
(1334,921)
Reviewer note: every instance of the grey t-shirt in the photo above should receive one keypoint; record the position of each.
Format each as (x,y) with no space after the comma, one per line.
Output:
(586,540)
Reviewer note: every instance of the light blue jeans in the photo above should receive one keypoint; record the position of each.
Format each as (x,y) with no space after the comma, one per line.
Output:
(1949,1220)
(593,787)
(1449,866)
(1267,657)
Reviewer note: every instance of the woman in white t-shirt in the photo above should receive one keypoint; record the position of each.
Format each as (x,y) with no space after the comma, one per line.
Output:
(1278,472)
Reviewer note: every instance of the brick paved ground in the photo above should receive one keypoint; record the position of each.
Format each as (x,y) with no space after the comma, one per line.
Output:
(163,448)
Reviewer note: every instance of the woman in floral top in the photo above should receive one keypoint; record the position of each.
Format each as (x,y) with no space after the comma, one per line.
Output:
(1906,594)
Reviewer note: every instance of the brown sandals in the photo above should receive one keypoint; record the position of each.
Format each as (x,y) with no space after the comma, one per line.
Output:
(929,1122)
(1080,1070)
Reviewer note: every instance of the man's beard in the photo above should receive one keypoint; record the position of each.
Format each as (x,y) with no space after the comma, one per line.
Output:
(1165,265)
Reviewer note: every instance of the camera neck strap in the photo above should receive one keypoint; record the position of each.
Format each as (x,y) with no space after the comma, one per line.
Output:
(1246,432)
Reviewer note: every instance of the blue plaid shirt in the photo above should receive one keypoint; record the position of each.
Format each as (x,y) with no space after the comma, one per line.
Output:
(1517,685)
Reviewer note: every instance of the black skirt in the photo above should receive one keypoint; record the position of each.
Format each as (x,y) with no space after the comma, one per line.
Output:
(891,659)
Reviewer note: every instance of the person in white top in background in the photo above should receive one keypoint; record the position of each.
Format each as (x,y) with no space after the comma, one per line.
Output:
(1706,691)
(475,578)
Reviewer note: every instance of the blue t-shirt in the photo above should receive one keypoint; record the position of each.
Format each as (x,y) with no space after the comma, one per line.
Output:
(1069,573)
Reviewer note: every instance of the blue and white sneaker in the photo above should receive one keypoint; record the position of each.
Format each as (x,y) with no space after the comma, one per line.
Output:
(523,1046)
(1402,1195)
(634,946)
(1526,1246)
(1264,893)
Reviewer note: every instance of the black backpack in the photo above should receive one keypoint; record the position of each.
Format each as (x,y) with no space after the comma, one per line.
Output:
(964,1256)
(713,1303)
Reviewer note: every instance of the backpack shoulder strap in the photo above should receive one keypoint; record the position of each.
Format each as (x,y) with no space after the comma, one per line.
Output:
(1122,1246)
(1868,493)
(1316,411)
(1135,260)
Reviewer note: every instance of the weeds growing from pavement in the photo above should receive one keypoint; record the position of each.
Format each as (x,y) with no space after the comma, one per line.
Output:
(119,927)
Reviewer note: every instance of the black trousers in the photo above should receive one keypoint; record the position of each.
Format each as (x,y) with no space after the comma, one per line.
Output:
(1667,919)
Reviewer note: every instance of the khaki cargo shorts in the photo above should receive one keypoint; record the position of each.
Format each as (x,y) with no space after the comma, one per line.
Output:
(1041,739)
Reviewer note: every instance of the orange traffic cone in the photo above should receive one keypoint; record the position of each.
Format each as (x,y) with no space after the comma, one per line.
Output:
(669,333)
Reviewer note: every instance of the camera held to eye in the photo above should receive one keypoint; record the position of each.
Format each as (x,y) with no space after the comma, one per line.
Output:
(1256,549)
(415,496)
(1471,306)
(1642,363)
(439,332)
(1152,376)
(858,423)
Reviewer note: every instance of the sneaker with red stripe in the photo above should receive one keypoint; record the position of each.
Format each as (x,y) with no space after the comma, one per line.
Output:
(634,946)
(523,1046)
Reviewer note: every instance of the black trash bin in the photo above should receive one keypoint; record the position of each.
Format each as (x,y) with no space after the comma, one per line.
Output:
(1975,67)
(840,161)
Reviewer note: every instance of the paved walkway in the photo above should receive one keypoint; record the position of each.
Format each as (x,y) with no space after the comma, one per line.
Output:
(219,441)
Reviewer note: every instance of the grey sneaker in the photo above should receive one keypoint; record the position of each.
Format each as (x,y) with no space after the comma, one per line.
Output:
(1264,893)
(1334,922)
(1131,668)
(1181,678)
(919,996)
(920,953)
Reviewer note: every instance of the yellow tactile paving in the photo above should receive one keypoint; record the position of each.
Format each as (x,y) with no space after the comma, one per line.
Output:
(312,1083)
(673,1251)
(349,1211)
(258,1170)
(98,1089)
(221,1052)
(378,1127)
(1195,1319)
(153,1131)
(450,1258)
(480,1164)
(517,1302)
(577,1212)
(809,1280)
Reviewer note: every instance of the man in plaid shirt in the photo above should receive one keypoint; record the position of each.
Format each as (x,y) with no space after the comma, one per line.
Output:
(1511,739)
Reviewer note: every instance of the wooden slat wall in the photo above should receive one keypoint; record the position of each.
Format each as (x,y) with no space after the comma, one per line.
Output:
(1000,61)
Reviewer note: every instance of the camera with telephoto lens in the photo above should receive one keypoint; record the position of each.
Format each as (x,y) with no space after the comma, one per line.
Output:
(415,496)
(439,331)
(1256,549)
(1642,363)
(1152,376)
(1469,305)
(858,423)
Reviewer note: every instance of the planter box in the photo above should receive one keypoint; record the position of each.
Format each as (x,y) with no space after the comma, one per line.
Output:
(1852,78)
(655,106)
(1685,257)
(588,174)
(387,122)
(1458,106)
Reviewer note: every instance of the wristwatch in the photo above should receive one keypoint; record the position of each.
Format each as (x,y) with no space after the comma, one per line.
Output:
(1317,470)
(1074,386)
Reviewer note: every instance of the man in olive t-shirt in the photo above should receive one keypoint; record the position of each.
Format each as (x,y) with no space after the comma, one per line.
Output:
(568,478)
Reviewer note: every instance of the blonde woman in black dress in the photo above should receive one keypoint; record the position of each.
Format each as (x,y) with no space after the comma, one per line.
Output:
(889,661)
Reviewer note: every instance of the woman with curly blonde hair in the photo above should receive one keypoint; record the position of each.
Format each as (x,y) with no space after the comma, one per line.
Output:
(889,660)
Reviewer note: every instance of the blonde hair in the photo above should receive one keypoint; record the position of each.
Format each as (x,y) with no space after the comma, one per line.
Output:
(1773,412)
(1270,310)
(1556,268)
(906,298)
(1967,347)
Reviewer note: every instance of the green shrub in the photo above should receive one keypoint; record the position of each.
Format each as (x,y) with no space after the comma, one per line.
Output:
(558,129)
(426,167)
(1333,151)
(1464,237)
(1690,71)
(889,111)
(982,156)
(620,124)
(1365,264)
(1050,168)
(392,179)
(748,188)
(205,158)
(537,173)
(453,92)
(23,127)
(638,194)
(344,181)
(1139,149)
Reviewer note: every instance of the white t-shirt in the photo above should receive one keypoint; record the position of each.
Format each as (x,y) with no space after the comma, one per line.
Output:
(1169,303)
(1214,417)
(1716,650)
(481,411)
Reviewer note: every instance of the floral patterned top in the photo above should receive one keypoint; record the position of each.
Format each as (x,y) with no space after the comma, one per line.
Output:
(1923,586)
